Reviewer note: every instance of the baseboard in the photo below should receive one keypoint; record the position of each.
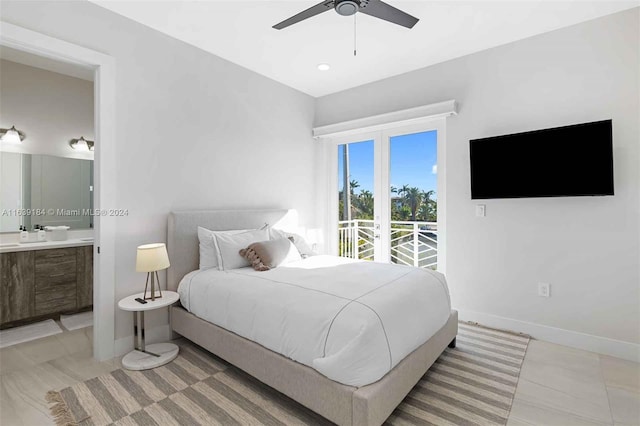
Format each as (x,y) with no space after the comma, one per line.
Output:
(157,334)
(574,339)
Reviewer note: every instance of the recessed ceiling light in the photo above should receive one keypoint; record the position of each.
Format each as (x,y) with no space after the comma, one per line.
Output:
(324,67)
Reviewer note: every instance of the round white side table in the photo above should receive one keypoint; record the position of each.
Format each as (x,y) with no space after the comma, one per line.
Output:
(146,357)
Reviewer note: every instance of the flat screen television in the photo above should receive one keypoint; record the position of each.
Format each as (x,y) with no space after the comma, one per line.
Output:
(560,162)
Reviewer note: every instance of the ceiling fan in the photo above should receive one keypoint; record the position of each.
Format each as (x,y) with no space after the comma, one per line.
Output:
(375,8)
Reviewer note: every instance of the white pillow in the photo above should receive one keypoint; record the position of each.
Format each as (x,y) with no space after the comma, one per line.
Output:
(300,243)
(265,255)
(208,248)
(229,246)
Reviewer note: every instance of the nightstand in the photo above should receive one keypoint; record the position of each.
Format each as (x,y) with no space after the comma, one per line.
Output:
(146,357)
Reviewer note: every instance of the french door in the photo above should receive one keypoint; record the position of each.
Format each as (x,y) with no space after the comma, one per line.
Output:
(388,196)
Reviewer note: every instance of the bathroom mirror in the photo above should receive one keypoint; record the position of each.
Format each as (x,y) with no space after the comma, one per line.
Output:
(45,190)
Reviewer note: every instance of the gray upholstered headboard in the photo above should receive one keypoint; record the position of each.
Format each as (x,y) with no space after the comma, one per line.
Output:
(182,238)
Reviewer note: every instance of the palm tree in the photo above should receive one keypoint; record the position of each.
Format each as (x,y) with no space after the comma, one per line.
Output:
(413,199)
(428,210)
(403,190)
(366,203)
(346,191)
(426,195)
(403,213)
(353,184)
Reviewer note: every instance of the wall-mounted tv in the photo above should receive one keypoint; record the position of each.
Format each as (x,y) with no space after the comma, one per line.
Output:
(560,162)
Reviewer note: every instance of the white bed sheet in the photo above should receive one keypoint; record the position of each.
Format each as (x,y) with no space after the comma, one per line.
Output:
(352,321)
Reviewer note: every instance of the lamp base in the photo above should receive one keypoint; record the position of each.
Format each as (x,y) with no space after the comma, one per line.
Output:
(152,296)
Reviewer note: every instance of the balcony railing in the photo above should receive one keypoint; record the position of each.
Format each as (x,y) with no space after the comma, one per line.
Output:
(412,243)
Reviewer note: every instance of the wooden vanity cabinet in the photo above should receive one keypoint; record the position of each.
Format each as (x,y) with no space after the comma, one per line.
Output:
(45,283)
(84,268)
(56,276)
(17,286)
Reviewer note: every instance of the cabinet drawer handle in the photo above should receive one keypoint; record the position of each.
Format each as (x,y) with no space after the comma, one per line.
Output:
(56,275)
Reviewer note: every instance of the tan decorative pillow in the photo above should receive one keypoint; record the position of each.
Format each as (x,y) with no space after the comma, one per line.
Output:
(253,259)
(265,255)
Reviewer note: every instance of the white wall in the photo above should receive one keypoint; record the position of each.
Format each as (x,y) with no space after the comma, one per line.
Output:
(50,108)
(586,248)
(193,131)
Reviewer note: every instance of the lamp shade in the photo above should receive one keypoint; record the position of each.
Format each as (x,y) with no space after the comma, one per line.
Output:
(152,257)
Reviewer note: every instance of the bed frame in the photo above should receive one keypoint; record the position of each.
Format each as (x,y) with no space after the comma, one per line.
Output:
(342,404)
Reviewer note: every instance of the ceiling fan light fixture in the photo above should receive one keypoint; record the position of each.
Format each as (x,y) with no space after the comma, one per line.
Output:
(347,7)
(324,67)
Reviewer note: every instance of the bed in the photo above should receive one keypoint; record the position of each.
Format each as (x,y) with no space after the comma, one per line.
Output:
(366,398)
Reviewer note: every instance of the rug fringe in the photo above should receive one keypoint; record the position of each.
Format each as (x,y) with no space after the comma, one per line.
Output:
(60,411)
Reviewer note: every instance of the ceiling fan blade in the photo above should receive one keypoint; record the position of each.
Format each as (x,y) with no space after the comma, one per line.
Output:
(382,10)
(312,11)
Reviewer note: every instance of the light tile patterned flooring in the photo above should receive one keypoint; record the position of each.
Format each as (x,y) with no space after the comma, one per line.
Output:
(565,386)
(558,385)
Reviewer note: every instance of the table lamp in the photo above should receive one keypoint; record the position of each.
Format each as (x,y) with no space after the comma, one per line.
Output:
(152,258)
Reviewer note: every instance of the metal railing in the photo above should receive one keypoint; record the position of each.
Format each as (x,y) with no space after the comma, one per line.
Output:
(412,243)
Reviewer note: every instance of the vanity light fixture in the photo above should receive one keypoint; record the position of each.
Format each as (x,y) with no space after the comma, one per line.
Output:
(12,135)
(81,144)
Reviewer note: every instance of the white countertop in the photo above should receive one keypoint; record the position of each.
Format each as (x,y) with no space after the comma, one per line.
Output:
(9,247)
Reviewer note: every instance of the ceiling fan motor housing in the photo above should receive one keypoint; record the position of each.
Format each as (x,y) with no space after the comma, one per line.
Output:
(349,7)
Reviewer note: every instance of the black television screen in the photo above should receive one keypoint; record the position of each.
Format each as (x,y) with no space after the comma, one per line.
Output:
(560,162)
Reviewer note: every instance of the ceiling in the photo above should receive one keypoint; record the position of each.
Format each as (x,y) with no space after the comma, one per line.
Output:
(240,31)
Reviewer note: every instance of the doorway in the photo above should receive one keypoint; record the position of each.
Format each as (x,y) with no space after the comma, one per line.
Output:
(103,68)
(45,182)
(389,196)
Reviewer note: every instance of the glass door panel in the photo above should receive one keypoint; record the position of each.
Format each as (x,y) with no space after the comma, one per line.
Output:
(387,189)
(413,230)
(356,236)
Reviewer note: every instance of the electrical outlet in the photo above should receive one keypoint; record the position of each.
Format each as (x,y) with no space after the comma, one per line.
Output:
(544,290)
(481,210)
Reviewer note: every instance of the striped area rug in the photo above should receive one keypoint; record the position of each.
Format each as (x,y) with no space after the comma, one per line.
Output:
(472,384)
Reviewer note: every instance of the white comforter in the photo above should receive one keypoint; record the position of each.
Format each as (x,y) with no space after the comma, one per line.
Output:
(352,321)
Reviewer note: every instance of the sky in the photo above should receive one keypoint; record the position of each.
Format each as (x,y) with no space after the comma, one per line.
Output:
(413,162)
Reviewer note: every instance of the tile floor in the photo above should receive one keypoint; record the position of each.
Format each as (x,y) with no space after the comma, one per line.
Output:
(564,386)
(558,385)
(28,370)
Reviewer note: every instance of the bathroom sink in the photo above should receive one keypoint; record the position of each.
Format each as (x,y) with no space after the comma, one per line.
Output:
(9,245)
(86,239)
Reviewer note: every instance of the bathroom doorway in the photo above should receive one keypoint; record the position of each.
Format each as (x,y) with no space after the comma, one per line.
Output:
(46,193)
(98,252)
